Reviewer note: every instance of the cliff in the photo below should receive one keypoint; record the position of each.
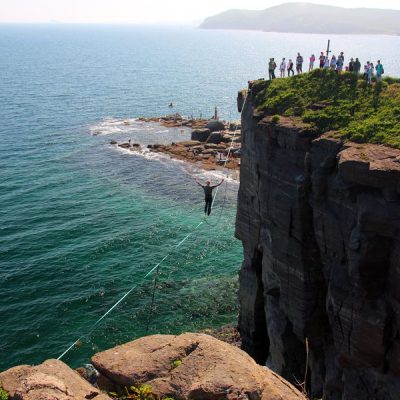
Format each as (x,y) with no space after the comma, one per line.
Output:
(319,220)
(295,17)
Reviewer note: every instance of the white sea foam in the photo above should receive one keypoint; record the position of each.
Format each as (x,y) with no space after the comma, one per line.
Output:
(109,126)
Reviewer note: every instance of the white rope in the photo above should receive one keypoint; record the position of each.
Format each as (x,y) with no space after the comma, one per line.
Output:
(151,271)
(128,292)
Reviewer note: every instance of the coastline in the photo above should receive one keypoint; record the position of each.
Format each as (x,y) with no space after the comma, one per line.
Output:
(214,145)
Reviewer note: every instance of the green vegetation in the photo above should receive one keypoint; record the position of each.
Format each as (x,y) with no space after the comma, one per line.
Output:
(276,119)
(176,363)
(342,103)
(139,392)
(3,394)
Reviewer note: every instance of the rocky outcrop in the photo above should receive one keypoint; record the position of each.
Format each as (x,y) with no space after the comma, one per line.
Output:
(200,134)
(215,125)
(319,221)
(192,366)
(52,380)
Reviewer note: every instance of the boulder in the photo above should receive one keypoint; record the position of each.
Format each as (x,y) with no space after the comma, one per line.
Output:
(219,147)
(216,137)
(190,143)
(113,142)
(227,138)
(200,134)
(210,151)
(194,366)
(124,145)
(52,380)
(214,125)
(234,127)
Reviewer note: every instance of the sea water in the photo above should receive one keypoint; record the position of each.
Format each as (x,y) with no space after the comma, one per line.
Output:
(82,221)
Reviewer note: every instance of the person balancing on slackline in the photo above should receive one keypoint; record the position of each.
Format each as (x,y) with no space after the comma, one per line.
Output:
(208,195)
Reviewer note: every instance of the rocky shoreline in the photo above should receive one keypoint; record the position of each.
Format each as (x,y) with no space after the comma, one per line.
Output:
(211,141)
(192,366)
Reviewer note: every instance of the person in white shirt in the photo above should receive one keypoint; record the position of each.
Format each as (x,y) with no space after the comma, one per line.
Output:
(282,68)
(327,63)
(333,63)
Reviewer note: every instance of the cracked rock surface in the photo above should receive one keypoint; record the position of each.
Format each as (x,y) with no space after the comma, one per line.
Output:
(52,380)
(194,366)
(319,221)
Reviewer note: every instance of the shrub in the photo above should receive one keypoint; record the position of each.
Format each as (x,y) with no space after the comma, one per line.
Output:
(3,394)
(276,119)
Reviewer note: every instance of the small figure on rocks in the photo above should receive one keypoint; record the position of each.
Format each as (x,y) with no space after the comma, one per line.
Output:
(208,189)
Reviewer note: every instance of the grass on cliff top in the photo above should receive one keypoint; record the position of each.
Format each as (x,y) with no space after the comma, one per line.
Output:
(343,103)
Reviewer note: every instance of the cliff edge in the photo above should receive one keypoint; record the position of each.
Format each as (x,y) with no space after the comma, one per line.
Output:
(319,220)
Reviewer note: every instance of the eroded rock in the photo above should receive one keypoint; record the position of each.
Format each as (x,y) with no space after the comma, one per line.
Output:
(320,221)
(194,366)
(52,380)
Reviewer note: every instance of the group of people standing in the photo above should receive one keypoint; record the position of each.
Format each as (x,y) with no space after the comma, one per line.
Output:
(334,63)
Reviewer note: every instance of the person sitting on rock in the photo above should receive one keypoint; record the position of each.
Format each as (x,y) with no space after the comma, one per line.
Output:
(208,189)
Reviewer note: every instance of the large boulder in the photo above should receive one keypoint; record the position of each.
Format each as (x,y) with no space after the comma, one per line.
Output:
(200,134)
(194,366)
(216,137)
(215,125)
(52,380)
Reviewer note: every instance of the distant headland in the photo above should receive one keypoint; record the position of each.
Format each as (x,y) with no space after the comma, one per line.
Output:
(309,18)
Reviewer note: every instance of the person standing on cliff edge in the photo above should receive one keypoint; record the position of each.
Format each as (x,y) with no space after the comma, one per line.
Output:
(208,189)
(271,68)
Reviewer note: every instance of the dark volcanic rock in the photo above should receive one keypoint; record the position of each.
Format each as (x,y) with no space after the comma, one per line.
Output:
(214,125)
(200,134)
(216,137)
(319,221)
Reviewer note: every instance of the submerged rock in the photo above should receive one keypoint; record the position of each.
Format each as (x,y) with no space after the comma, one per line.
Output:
(194,366)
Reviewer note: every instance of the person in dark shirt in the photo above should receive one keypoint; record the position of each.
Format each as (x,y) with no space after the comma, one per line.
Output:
(208,189)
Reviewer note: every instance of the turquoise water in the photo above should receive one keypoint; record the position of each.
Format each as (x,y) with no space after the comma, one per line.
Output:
(82,222)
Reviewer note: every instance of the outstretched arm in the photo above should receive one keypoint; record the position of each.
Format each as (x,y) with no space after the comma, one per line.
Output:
(219,184)
(198,182)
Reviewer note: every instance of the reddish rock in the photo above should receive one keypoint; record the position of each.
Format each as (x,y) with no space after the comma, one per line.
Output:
(52,380)
(208,369)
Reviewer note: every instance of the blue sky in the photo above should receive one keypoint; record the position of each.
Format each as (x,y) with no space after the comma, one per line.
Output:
(144,11)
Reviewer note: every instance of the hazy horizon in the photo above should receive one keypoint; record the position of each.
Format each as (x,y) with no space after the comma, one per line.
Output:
(154,12)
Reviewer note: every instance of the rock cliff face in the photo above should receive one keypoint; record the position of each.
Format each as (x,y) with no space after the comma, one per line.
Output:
(319,221)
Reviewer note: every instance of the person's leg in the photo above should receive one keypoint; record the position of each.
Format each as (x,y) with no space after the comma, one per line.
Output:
(209,203)
(205,207)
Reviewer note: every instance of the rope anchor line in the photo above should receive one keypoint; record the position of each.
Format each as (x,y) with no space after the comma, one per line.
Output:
(156,267)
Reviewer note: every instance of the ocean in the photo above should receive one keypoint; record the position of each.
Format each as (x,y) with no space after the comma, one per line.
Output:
(81,221)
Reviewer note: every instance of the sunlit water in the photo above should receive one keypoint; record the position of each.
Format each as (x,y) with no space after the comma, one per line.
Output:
(82,222)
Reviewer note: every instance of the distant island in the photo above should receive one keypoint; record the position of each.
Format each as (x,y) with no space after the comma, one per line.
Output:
(309,18)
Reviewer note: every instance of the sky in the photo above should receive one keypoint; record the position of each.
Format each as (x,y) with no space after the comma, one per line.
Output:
(145,11)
